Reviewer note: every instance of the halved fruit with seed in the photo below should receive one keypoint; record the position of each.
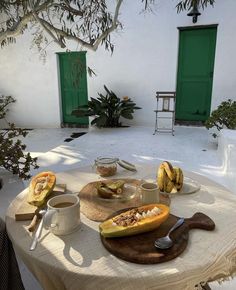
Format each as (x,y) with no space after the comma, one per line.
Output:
(135,221)
(40,187)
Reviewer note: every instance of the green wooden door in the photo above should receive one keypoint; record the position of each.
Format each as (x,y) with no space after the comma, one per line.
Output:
(195,73)
(73,84)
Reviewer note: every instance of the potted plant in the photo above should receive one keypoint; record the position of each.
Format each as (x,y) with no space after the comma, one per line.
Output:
(223,117)
(12,155)
(107,109)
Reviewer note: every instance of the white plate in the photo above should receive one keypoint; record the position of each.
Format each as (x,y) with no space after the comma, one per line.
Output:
(189,186)
(128,193)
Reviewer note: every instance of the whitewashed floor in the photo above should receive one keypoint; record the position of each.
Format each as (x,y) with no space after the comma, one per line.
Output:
(191,148)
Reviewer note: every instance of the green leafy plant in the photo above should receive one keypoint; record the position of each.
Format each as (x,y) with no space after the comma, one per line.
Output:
(107,109)
(12,155)
(223,117)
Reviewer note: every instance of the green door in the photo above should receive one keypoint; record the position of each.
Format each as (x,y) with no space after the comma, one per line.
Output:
(195,73)
(73,84)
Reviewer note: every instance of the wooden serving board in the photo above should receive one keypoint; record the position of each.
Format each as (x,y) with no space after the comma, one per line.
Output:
(27,211)
(140,248)
(99,209)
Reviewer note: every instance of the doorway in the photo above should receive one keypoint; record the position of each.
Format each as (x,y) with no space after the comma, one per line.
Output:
(73,86)
(195,73)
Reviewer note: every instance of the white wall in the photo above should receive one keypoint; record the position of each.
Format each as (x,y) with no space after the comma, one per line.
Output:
(144,61)
(227,153)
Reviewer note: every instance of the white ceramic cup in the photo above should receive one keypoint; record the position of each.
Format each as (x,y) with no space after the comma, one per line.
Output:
(63,214)
(150,193)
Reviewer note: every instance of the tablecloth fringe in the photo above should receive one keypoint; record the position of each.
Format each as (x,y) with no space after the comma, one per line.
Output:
(225,277)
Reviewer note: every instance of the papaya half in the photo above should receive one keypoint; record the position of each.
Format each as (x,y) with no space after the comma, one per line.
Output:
(135,221)
(41,185)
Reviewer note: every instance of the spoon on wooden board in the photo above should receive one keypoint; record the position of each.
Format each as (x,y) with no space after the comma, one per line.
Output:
(166,242)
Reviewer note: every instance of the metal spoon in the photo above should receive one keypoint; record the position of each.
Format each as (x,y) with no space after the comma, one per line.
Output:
(166,242)
(38,232)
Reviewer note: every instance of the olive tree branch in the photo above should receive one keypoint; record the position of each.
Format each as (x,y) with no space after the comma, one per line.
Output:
(20,25)
(111,28)
(45,27)
(89,45)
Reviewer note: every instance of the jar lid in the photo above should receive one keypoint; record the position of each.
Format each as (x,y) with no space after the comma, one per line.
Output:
(106,160)
(126,165)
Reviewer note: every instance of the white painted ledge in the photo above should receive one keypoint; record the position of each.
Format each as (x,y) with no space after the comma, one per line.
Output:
(227,153)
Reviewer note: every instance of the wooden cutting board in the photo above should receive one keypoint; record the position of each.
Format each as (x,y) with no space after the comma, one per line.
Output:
(27,211)
(140,248)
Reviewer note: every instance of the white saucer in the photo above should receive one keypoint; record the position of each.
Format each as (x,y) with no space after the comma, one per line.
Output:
(189,186)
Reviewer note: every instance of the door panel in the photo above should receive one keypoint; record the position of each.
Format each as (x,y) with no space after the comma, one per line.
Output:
(194,107)
(195,72)
(73,83)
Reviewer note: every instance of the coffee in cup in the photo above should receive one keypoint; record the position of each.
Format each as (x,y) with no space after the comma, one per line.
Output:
(63,214)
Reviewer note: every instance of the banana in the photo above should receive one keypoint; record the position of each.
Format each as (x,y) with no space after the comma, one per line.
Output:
(116,186)
(169,170)
(104,192)
(107,190)
(169,178)
(177,174)
(161,176)
(169,185)
(179,178)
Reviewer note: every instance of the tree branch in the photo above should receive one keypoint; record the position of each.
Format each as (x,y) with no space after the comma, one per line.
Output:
(111,28)
(17,29)
(91,46)
(39,20)
(20,25)
(65,34)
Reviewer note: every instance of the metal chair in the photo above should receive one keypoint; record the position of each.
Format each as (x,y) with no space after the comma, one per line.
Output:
(165,109)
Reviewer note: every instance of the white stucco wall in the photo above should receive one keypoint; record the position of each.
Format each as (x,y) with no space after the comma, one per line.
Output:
(144,61)
(227,153)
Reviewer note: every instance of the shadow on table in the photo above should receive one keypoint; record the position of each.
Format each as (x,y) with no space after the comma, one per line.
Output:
(204,197)
(85,242)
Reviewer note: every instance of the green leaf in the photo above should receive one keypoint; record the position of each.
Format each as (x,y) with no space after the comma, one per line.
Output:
(127,115)
(107,109)
(223,117)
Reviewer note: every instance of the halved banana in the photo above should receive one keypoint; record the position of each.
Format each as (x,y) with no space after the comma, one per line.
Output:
(169,185)
(179,178)
(177,174)
(169,179)
(169,170)
(161,176)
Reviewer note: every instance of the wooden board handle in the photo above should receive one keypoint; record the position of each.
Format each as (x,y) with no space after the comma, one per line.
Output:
(201,221)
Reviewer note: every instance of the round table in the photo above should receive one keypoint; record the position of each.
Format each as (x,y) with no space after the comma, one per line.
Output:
(79,260)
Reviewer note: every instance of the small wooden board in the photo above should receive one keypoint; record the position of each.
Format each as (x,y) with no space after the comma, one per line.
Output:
(27,211)
(99,209)
(140,248)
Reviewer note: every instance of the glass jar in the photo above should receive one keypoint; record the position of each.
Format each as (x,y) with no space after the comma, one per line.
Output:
(106,166)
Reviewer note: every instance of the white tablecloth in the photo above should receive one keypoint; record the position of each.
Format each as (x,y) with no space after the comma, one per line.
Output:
(79,260)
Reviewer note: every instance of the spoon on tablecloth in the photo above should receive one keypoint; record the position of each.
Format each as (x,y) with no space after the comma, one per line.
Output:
(38,232)
(166,242)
